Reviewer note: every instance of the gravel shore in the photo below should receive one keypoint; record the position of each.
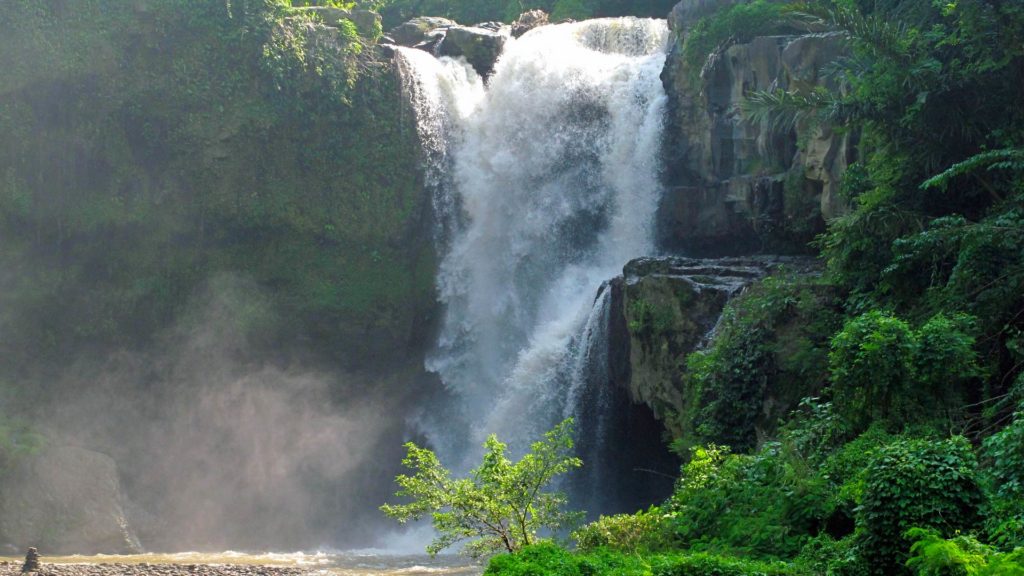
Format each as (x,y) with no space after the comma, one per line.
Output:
(14,568)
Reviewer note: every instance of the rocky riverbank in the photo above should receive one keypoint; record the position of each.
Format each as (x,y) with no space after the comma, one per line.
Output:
(123,569)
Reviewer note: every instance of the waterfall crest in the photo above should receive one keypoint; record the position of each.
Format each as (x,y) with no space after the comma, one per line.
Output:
(546,185)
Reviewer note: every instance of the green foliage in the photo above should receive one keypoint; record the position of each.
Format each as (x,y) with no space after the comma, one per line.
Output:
(910,483)
(650,322)
(1003,458)
(766,504)
(644,531)
(549,560)
(883,371)
(931,555)
(501,506)
(535,560)
(770,340)
(736,23)
(872,362)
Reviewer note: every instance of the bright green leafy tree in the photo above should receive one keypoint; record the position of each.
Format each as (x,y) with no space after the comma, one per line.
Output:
(501,506)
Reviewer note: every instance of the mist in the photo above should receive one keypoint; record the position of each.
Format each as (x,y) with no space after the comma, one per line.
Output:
(220,447)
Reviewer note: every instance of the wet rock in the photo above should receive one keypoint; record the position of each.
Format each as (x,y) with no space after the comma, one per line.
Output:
(66,500)
(479,46)
(419,30)
(528,21)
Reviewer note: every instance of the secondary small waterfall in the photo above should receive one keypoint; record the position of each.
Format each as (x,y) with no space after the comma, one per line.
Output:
(546,184)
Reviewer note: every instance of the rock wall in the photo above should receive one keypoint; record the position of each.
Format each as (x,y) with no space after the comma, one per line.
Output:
(65,500)
(734,187)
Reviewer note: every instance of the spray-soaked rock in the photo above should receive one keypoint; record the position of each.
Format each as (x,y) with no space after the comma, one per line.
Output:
(528,21)
(479,46)
(419,29)
(66,500)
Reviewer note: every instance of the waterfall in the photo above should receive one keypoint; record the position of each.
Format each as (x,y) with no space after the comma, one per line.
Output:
(548,185)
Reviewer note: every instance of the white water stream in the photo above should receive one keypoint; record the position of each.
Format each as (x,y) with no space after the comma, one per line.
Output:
(546,184)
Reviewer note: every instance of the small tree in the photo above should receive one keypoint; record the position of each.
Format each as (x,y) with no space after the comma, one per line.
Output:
(501,506)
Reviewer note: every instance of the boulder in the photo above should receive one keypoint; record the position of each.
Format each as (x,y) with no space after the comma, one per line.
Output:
(419,29)
(479,46)
(528,21)
(66,500)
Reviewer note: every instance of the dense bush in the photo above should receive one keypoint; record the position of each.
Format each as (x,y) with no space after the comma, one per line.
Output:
(910,483)
(644,531)
(1003,472)
(883,371)
(550,560)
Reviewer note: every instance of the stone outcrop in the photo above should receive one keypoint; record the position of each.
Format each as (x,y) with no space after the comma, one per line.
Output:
(735,187)
(666,309)
(480,46)
(528,21)
(66,500)
(419,30)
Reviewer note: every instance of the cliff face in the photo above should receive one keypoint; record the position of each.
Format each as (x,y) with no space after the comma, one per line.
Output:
(735,187)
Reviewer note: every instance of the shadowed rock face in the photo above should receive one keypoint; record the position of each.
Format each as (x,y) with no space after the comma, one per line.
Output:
(734,187)
(66,500)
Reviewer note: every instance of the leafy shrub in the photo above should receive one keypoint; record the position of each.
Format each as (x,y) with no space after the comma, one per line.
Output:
(17,440)
(535,560)
(1003,457)
(912,483)
(826,555)
(766,504)
(643,531)
(547,559)
(884,371)
(872,365)
(712,565)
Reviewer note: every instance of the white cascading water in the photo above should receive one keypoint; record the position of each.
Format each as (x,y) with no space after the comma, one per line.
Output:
(547,184)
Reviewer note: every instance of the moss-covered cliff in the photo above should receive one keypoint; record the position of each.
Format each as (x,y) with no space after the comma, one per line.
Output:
(149,145)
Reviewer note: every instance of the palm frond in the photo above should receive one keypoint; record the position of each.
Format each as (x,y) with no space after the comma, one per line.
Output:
(1002,159)
(783,110)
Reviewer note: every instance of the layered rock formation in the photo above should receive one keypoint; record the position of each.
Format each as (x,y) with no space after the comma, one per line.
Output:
(735,187)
